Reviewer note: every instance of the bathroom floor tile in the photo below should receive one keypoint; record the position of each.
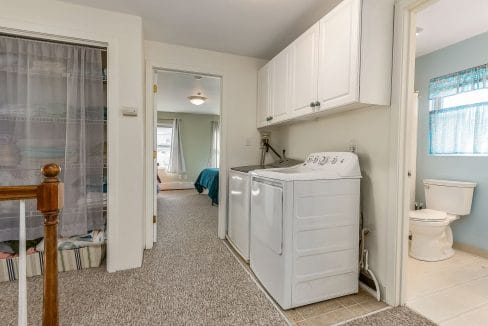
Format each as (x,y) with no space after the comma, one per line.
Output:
(479,286)
(448,303)
(476,317)
(425,278)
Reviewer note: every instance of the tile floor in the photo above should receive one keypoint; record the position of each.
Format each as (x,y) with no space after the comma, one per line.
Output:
(450,292)
(335,311)
(329,312)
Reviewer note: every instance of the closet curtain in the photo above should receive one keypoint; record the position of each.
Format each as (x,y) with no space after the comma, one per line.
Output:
(176,158)
(214,157)
(458,112)
(52,110)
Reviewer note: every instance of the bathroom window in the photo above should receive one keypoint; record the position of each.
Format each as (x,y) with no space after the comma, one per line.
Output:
(458,110)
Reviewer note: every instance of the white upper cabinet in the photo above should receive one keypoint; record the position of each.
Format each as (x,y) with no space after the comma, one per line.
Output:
(281,87)
(303,71)
(339,55)
(264,95)
(355,55)
(342,62)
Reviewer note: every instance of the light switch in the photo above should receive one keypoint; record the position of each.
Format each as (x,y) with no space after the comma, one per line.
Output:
(128,111)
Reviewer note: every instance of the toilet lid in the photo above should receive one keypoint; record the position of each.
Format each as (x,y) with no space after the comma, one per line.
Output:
(428,215)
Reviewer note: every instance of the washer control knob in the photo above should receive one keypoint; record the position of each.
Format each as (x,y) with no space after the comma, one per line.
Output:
(334,160)
(315,159)
(323,160)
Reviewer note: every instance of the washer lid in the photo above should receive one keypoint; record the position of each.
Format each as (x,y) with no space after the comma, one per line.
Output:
(428,215)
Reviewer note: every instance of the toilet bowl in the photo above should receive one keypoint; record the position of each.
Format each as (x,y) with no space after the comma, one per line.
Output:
(431,235)
(446,201)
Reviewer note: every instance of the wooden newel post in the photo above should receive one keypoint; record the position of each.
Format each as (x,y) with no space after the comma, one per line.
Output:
(50,199)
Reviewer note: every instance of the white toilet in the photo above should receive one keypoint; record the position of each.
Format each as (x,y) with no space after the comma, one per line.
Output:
(446,201)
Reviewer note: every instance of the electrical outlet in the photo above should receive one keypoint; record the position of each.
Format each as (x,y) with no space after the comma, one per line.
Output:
(353,148)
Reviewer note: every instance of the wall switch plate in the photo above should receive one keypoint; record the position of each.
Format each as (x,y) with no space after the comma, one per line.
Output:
(129,111)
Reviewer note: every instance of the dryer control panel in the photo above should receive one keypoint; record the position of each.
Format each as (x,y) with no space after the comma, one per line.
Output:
(342,163)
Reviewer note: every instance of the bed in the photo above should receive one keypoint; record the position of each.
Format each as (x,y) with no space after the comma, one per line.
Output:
(209,179)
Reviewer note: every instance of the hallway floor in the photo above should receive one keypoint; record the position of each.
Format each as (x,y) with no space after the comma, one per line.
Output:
(189,278)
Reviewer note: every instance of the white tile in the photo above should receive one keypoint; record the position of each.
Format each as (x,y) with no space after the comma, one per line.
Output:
(479,286)
(430,277)
(428,284)
(448,303)
(418,267)
(476,317)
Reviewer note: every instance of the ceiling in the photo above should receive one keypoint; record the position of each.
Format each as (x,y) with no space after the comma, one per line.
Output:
(175,87)
(256,28)
(450,21)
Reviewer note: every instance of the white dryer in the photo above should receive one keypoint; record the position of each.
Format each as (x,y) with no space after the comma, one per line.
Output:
(305,229)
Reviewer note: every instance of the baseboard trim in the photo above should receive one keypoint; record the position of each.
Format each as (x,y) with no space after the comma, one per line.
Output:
(471,249)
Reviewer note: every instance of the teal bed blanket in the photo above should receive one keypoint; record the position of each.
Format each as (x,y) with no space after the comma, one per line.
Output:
(209,179)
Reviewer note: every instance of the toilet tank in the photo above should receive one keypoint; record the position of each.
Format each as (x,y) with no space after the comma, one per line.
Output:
(453,197)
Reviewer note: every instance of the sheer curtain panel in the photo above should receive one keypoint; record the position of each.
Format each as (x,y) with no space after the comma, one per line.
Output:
(214,157)
(458,110)
(176,158)
(51,110)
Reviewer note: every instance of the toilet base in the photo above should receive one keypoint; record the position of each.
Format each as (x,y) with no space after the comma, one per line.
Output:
(449,253)
(431,241)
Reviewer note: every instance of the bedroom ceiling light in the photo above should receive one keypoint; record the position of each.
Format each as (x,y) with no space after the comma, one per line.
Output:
(198,99)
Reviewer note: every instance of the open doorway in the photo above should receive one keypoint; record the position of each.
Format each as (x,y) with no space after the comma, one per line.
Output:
(445,263)
(187,134)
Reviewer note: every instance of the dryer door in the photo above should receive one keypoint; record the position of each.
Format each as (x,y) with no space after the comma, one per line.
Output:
(267,213)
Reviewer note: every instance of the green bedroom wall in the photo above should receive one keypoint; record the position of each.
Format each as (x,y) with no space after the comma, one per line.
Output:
(196,138)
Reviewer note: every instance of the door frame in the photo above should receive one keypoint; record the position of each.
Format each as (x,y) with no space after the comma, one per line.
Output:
(399,199)
(150,123)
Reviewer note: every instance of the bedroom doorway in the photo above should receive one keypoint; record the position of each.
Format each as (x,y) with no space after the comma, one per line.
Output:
(186,137)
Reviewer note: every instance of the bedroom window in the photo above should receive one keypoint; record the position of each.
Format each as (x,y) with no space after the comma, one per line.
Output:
(458,110)
(164,139)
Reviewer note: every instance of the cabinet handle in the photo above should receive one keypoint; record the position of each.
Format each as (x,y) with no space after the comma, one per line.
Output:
(317,103)
(312,104)
(269,118)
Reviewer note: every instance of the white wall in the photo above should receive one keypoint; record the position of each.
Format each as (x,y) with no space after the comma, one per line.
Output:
(123,33)
(369,130)
(239,79)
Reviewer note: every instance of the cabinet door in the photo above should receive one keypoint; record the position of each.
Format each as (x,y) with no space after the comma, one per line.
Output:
(304,58)
(264,95)
(339,56)
(281,87)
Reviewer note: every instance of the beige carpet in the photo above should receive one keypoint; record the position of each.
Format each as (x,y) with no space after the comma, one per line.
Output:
(189,278)
(399,316)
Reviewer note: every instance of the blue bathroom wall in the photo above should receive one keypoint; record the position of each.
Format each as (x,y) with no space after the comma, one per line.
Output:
(472,229)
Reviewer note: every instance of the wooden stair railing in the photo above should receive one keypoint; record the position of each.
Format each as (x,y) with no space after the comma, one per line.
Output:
(50,198)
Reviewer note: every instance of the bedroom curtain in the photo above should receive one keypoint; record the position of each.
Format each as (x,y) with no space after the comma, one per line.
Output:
(214,157)
(51,110)
(176,159)
(458,112)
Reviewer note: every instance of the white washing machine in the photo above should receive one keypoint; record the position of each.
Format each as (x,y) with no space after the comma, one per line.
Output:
(305,229)
(238,223)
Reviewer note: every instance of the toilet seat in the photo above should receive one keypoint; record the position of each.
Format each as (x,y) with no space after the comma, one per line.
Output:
(428,215)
